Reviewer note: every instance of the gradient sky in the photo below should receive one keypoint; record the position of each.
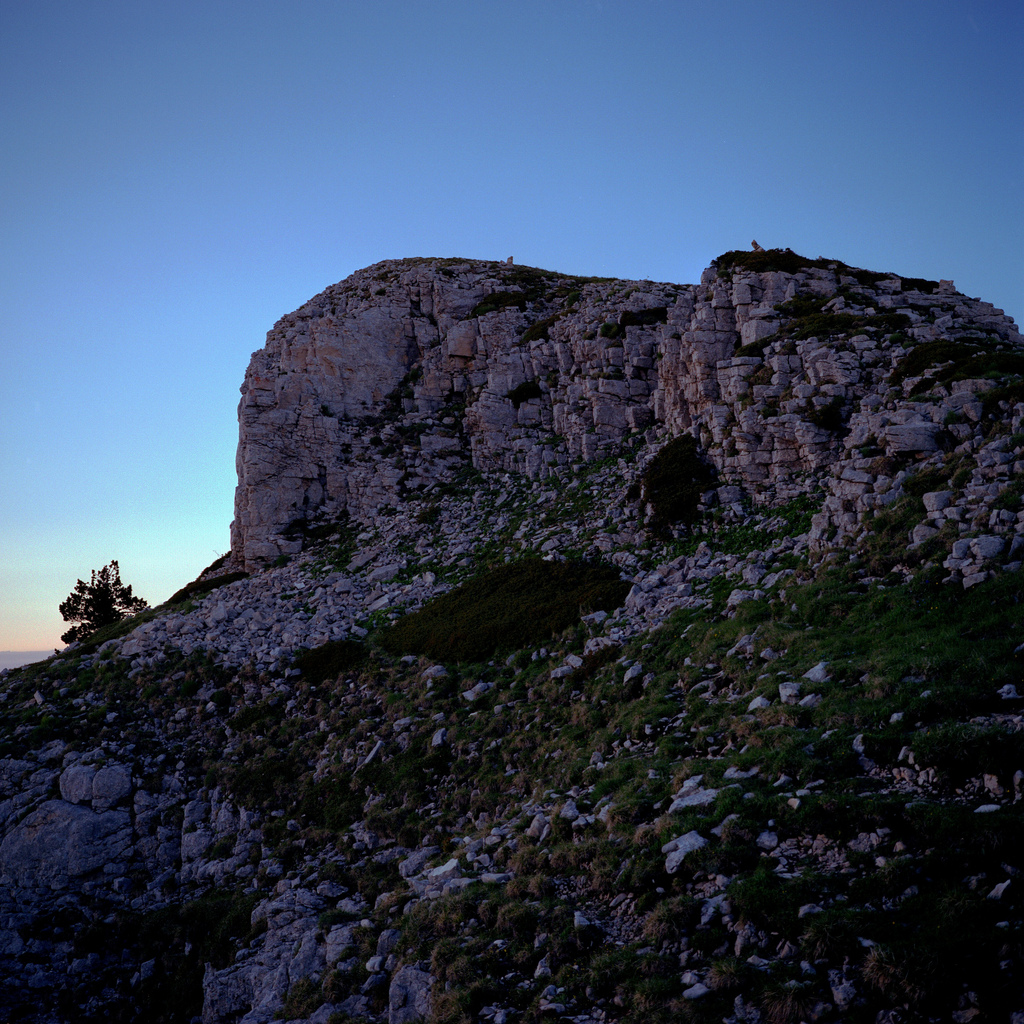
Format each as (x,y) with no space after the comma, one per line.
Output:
(176,176)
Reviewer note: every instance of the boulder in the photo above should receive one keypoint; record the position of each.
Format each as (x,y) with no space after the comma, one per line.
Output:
(59,843)
(409,996)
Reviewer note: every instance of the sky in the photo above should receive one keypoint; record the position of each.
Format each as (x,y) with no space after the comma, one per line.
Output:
(177,176)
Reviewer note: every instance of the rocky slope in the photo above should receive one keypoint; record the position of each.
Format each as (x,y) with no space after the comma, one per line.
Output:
(775,774)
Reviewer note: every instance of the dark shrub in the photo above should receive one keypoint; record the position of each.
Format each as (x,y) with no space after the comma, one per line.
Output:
(524,392)
(828,417)
(200,587)
(674,481)
(506,608)
(499,300)
(644,317)
(329,660)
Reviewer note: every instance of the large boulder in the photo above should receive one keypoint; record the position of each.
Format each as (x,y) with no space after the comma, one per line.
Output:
(60,843)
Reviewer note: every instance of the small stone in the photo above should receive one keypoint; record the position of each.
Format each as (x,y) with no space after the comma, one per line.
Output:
(569,811)
(789,692)
(697,991)
(633,672)
(818,674)
(677,850)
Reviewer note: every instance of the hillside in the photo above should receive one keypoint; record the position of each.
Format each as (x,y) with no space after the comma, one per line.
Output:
(587,650)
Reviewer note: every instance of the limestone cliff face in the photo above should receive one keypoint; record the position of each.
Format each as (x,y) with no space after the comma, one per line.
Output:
(393,381)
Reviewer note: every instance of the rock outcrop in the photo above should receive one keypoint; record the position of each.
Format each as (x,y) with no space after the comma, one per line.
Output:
(517,370)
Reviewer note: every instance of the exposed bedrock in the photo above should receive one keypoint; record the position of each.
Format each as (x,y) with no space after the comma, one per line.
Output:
(392,381)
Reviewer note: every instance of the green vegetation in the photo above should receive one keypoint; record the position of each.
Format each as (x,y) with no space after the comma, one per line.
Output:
(199,587)
(329,660)
(784,260)
(673,482)
(103,601)
(499,300)
(965,362)
(643,317)
(524,392)
(505,609)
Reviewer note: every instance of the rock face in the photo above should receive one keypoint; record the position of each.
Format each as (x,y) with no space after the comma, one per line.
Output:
(520,370)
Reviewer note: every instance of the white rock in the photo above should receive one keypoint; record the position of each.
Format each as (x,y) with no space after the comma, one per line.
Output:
(998,890)
(789,692)
(677,849)
(698,798)
(818,674)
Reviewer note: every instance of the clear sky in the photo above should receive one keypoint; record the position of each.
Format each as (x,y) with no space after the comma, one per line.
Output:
(177,175)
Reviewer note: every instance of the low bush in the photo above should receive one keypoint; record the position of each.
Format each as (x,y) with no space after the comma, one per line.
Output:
(505,609)
(524,392)
(329,660)
(499,300)
(673,482)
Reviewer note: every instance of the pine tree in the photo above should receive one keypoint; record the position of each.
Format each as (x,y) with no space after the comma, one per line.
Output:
(98,603)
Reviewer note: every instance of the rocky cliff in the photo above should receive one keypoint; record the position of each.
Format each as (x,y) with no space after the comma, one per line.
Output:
(587,650)
(778,365)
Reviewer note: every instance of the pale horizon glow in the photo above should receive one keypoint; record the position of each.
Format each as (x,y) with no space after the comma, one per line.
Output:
(178,177)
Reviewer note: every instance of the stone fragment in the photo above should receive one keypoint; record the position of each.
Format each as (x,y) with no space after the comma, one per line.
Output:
(110,785)
(695,798)
(987,547)
(789,692)
(677,850)
(76,783)
(818,674)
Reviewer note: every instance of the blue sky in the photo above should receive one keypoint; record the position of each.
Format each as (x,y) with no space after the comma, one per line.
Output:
(176,176)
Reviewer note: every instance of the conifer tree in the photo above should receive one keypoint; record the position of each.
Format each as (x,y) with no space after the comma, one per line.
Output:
(99,603)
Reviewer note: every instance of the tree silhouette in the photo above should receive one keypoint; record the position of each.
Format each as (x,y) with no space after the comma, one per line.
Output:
(98,603)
